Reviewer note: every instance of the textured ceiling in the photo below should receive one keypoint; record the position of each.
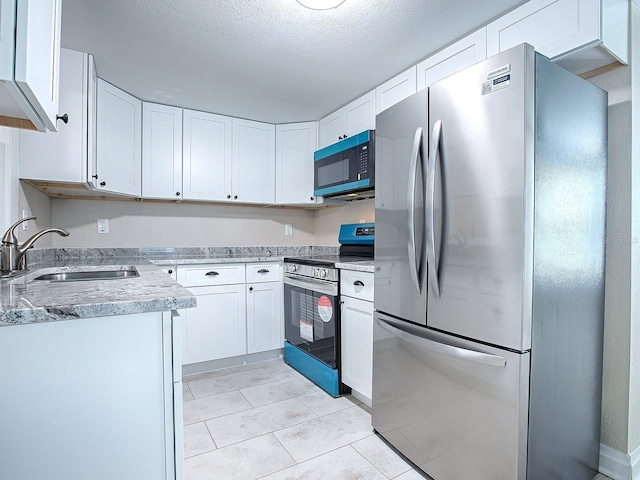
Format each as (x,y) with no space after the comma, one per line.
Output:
(266,60)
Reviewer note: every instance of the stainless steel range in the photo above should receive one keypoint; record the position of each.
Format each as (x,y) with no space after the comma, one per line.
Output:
(312,307)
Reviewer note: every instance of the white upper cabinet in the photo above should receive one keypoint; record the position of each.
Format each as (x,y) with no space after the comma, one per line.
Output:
(68,151)
(295,145)
(580,35)
(206,156)
(465,52)
(254,155)
(353,118)
(398,88)
(118,141)
(161,151)
(29,63)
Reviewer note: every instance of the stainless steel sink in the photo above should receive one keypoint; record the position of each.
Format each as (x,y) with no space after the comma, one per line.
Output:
(88,275)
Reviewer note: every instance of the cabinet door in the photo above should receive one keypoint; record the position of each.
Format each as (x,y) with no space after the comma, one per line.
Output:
(216,328)
(67,149)
(361,114)
(398,88)
(353,118)
(471,49)
(118,141)
(37,61)
(254,158)
(161,151)
(295,144)
(206,156)
(357,344)
(332,128)
(553,27)
(265,327)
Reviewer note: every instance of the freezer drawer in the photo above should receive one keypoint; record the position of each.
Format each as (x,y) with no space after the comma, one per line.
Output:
(457,409)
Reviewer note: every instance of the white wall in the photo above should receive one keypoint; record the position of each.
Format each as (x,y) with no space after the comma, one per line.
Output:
(621,377)
(149,224)
(8,178)
(38,205)
(327,221)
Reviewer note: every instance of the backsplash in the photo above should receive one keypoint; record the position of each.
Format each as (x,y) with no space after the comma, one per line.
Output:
(38,255)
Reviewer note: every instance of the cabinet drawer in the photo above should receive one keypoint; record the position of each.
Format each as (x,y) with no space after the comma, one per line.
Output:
(263,272)
(215,274)
(357,284)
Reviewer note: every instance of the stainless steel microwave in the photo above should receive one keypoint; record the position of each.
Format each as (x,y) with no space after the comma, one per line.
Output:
(346,168)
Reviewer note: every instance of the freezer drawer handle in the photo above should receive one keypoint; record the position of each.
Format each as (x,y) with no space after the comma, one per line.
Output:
(452,351)
(414,260)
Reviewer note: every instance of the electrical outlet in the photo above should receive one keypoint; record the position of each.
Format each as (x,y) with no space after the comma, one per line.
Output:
(288,229)
(103,225)
(25,225)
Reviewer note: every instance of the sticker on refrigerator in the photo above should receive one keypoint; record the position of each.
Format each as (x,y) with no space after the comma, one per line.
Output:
(306,330)
(496,84)
(325,309)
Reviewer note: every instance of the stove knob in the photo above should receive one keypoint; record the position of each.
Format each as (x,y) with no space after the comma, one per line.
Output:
(323,273)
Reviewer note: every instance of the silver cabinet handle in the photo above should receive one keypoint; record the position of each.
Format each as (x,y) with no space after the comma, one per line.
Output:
(358,283)
(434,157)
(418,338)
(411,210)
(212,274)
(263,271)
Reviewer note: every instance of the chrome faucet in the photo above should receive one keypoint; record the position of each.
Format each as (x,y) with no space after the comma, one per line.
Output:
(12,254)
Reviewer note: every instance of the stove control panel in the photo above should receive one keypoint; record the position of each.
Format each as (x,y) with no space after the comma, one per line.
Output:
(302,270)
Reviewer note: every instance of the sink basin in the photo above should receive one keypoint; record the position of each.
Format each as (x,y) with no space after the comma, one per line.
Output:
(88,275)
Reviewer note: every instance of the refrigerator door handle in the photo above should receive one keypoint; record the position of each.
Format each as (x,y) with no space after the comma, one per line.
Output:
(411,202)
(434,156)
(416,337)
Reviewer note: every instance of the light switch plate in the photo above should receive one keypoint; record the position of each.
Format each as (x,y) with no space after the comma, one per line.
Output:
(288,229)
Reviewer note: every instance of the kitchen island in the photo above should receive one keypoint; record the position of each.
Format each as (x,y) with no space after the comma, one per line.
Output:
(91,373)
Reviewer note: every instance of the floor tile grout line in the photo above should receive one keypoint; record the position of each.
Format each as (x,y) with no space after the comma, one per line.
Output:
(271,431)
(369,462)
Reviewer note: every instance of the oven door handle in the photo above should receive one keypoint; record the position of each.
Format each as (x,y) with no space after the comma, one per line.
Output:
(321,286)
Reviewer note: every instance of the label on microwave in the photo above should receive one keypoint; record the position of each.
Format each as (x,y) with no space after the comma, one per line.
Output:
(306,330)
(325,309)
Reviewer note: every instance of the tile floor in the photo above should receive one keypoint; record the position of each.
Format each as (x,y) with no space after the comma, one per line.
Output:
(266,421)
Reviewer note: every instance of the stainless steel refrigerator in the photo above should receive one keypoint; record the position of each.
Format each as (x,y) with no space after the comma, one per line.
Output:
(489,279)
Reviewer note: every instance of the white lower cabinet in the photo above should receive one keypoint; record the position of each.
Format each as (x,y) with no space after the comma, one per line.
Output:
(356,333)
(216,328)
(233,317)
(265,326)
(90,398)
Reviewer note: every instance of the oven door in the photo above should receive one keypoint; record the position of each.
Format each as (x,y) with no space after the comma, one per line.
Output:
(311,317)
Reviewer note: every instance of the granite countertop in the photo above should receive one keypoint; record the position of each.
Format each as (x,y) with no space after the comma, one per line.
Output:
(24,300)
(362,266)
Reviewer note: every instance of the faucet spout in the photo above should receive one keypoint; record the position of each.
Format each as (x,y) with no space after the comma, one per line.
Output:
(31,240)
(12,255)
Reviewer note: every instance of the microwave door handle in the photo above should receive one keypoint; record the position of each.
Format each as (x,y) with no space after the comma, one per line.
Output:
(411,210)
(434,158)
